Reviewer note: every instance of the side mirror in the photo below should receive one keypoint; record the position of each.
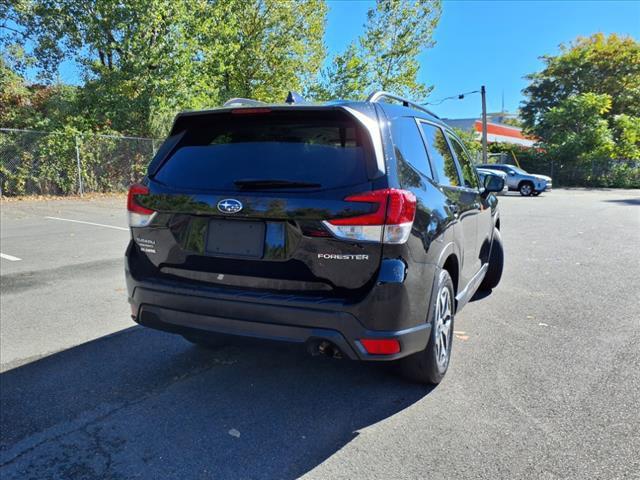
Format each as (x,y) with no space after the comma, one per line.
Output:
(512,173)
(493,183)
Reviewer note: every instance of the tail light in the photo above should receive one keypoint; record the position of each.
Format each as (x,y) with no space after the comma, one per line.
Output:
(391,222)
(139,216)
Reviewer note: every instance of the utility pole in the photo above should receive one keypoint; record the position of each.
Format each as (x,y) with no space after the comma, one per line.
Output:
(80,186)
(483,92)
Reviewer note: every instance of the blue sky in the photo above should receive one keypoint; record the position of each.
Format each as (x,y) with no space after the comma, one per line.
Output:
(492,42)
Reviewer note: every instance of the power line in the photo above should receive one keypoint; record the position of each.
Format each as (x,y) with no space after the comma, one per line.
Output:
(460,96)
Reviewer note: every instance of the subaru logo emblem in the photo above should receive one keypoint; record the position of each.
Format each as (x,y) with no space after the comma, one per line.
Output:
(229,205)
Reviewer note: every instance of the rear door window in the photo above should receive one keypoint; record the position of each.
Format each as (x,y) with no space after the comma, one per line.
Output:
(324,148)
(442,160)
(409,145)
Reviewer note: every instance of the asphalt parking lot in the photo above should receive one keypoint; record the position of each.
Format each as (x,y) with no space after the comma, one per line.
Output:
(544,380)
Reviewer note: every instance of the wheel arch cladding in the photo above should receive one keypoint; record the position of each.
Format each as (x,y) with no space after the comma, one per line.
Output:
(452,266)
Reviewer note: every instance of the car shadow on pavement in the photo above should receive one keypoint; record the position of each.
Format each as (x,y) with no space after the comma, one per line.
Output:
(625,201)
(146,404)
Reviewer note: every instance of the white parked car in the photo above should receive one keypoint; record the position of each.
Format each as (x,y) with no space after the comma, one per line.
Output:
(521,181)
(484,171)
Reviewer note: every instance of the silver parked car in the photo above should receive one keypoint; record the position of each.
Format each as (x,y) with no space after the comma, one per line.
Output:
(521,181)
(482,172)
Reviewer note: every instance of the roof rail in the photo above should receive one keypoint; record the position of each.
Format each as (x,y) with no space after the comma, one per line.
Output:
(380,94)
(247,102)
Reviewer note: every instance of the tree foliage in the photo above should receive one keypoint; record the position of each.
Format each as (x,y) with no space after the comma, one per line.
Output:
(33,105)
(626,134)
(385,57)
(275,47)
(347,77)
(584,107)
(144,60)
(577,128)
(597,64)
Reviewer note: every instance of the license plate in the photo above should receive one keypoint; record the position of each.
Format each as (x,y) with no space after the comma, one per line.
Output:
(236,238)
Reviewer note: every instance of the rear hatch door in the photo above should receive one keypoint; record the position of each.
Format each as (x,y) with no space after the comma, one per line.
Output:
(240,198)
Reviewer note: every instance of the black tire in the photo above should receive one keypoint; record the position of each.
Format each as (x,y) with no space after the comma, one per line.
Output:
(496,263)
(423,366)
(535,194)
(525,189)
(209,342)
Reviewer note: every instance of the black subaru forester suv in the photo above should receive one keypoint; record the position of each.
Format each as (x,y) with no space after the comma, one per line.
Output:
(358,228)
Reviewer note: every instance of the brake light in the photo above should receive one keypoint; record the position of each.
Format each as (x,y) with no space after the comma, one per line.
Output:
(381,346)
(139,216)
(391,222)
(250,111)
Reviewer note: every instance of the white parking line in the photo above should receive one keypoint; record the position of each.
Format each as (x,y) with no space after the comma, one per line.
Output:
(88,223)
(11,258)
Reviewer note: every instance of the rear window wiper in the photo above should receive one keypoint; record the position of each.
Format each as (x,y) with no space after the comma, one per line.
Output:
(256,184)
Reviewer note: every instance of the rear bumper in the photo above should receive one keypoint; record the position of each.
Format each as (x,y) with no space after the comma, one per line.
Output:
(340,329)
(184,308)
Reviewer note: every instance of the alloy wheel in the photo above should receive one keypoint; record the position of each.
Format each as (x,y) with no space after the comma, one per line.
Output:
(443,325)
(525,189)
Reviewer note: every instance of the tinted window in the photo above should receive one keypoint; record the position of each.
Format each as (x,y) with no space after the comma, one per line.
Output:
(468,173)
(441,158)
(267,147)
(409,145)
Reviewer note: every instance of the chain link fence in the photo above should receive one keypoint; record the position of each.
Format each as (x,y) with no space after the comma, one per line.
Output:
(68,163)
(602,172)
(596,173)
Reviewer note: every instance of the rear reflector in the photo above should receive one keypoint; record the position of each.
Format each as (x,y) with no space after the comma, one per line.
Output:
(381,346)
(139,216)
(391,222)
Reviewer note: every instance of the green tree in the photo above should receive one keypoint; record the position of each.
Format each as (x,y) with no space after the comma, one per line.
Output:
(598,64)
(134,55)
(347,77)
(386,55)
(273,46)
(144,60)
(14,97)
(626,135)
(33,106)
(578,129)
(397,31)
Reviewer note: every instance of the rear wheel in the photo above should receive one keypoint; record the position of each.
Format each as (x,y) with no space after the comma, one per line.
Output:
(525,189)
(496,263)
(430,365)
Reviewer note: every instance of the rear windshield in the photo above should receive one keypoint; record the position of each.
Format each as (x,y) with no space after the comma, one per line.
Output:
(323,148)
